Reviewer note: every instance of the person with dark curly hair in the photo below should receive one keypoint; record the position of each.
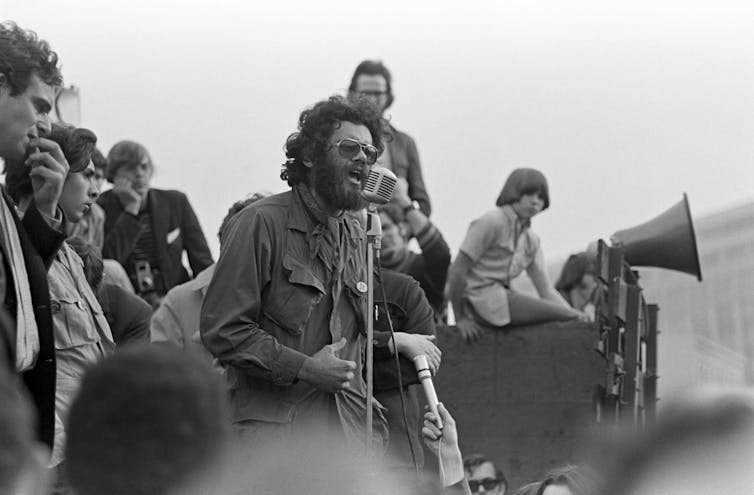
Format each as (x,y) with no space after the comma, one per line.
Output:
(284,310)
(81,332)
(372,80)
(29,72)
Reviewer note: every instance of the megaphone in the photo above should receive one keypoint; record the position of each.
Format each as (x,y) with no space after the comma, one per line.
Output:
(666,241)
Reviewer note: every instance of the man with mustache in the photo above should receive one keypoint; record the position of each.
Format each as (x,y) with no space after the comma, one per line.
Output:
(286,306)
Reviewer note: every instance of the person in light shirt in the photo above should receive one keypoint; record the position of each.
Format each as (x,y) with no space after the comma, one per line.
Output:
(498,247)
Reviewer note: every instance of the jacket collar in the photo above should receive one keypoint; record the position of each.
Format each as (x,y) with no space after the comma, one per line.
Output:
(513,217)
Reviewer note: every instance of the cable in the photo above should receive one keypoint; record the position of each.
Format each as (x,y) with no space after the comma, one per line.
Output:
(398,369)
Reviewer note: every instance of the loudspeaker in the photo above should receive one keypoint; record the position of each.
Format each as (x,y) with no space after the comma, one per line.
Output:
(666,241)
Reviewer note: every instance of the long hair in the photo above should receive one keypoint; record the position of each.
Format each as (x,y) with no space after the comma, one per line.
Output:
(574,270)
(373,68)
(77,145)
(23,54)
(524,181)
(316,126)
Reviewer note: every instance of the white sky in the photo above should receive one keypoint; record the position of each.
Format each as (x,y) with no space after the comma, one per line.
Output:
(623,105)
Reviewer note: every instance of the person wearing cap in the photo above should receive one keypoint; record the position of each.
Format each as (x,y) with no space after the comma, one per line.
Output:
(498,247)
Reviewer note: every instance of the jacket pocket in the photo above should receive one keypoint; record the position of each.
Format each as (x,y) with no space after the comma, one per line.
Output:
(291,302)
(73,325)
(356,292)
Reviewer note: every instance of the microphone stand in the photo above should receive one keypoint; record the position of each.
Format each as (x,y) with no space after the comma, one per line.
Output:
(374,241)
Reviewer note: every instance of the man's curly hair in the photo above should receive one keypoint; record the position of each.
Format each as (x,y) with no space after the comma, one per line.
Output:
(23,54)
(316,126)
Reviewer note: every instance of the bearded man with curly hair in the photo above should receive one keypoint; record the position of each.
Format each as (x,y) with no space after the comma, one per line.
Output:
(284,312)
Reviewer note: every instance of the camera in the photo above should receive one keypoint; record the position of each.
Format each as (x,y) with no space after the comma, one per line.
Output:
(144,277)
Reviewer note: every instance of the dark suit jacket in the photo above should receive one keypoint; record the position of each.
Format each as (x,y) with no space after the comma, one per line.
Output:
(39,243)
(172,216)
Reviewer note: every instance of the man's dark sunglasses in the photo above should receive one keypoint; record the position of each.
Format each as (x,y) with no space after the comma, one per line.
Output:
(487,483)
(349,148)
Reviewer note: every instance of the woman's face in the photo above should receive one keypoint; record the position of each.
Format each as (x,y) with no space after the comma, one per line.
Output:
(529,205)
(79,192)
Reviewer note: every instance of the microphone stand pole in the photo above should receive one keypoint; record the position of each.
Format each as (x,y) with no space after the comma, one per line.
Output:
(374,240)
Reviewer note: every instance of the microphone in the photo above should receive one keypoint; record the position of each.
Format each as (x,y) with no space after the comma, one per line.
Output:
(425,375)
(379,186)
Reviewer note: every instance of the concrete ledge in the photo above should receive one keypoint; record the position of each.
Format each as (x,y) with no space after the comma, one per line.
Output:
(522,395)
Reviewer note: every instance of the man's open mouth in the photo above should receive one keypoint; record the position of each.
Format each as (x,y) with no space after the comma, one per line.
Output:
(356,176)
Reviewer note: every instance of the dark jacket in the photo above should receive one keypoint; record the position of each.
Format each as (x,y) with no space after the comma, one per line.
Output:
(126,313)
(410,313)
(404,160)
(39,243)
(429,268)
(173,220)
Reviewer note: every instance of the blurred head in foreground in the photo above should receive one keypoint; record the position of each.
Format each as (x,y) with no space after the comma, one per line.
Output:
(23,460)
(147,419)
(702,444)
(569,480)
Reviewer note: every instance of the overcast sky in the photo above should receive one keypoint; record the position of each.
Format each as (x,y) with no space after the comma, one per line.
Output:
(623,105)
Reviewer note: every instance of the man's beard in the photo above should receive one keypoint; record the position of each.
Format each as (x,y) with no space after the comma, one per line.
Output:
(331,183)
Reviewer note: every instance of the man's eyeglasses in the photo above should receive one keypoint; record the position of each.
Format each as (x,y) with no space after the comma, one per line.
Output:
(373,93)
(349,148)
(487,483)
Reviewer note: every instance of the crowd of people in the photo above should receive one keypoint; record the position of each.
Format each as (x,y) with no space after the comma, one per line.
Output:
(125,371)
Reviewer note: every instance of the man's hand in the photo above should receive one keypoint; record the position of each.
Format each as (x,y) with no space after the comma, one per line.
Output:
(400,194)
(48,171)
(584,317)
(326,371)
(128,197)
(433,434)
(469,330)
(449,456)
(414,344)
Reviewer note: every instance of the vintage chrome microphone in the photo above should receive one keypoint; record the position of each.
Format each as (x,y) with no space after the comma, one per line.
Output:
(377,190)
(425,376)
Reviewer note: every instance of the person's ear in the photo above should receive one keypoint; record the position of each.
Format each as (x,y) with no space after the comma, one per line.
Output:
(306,158)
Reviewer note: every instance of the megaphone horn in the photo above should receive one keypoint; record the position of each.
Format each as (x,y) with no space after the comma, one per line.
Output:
(666,241)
